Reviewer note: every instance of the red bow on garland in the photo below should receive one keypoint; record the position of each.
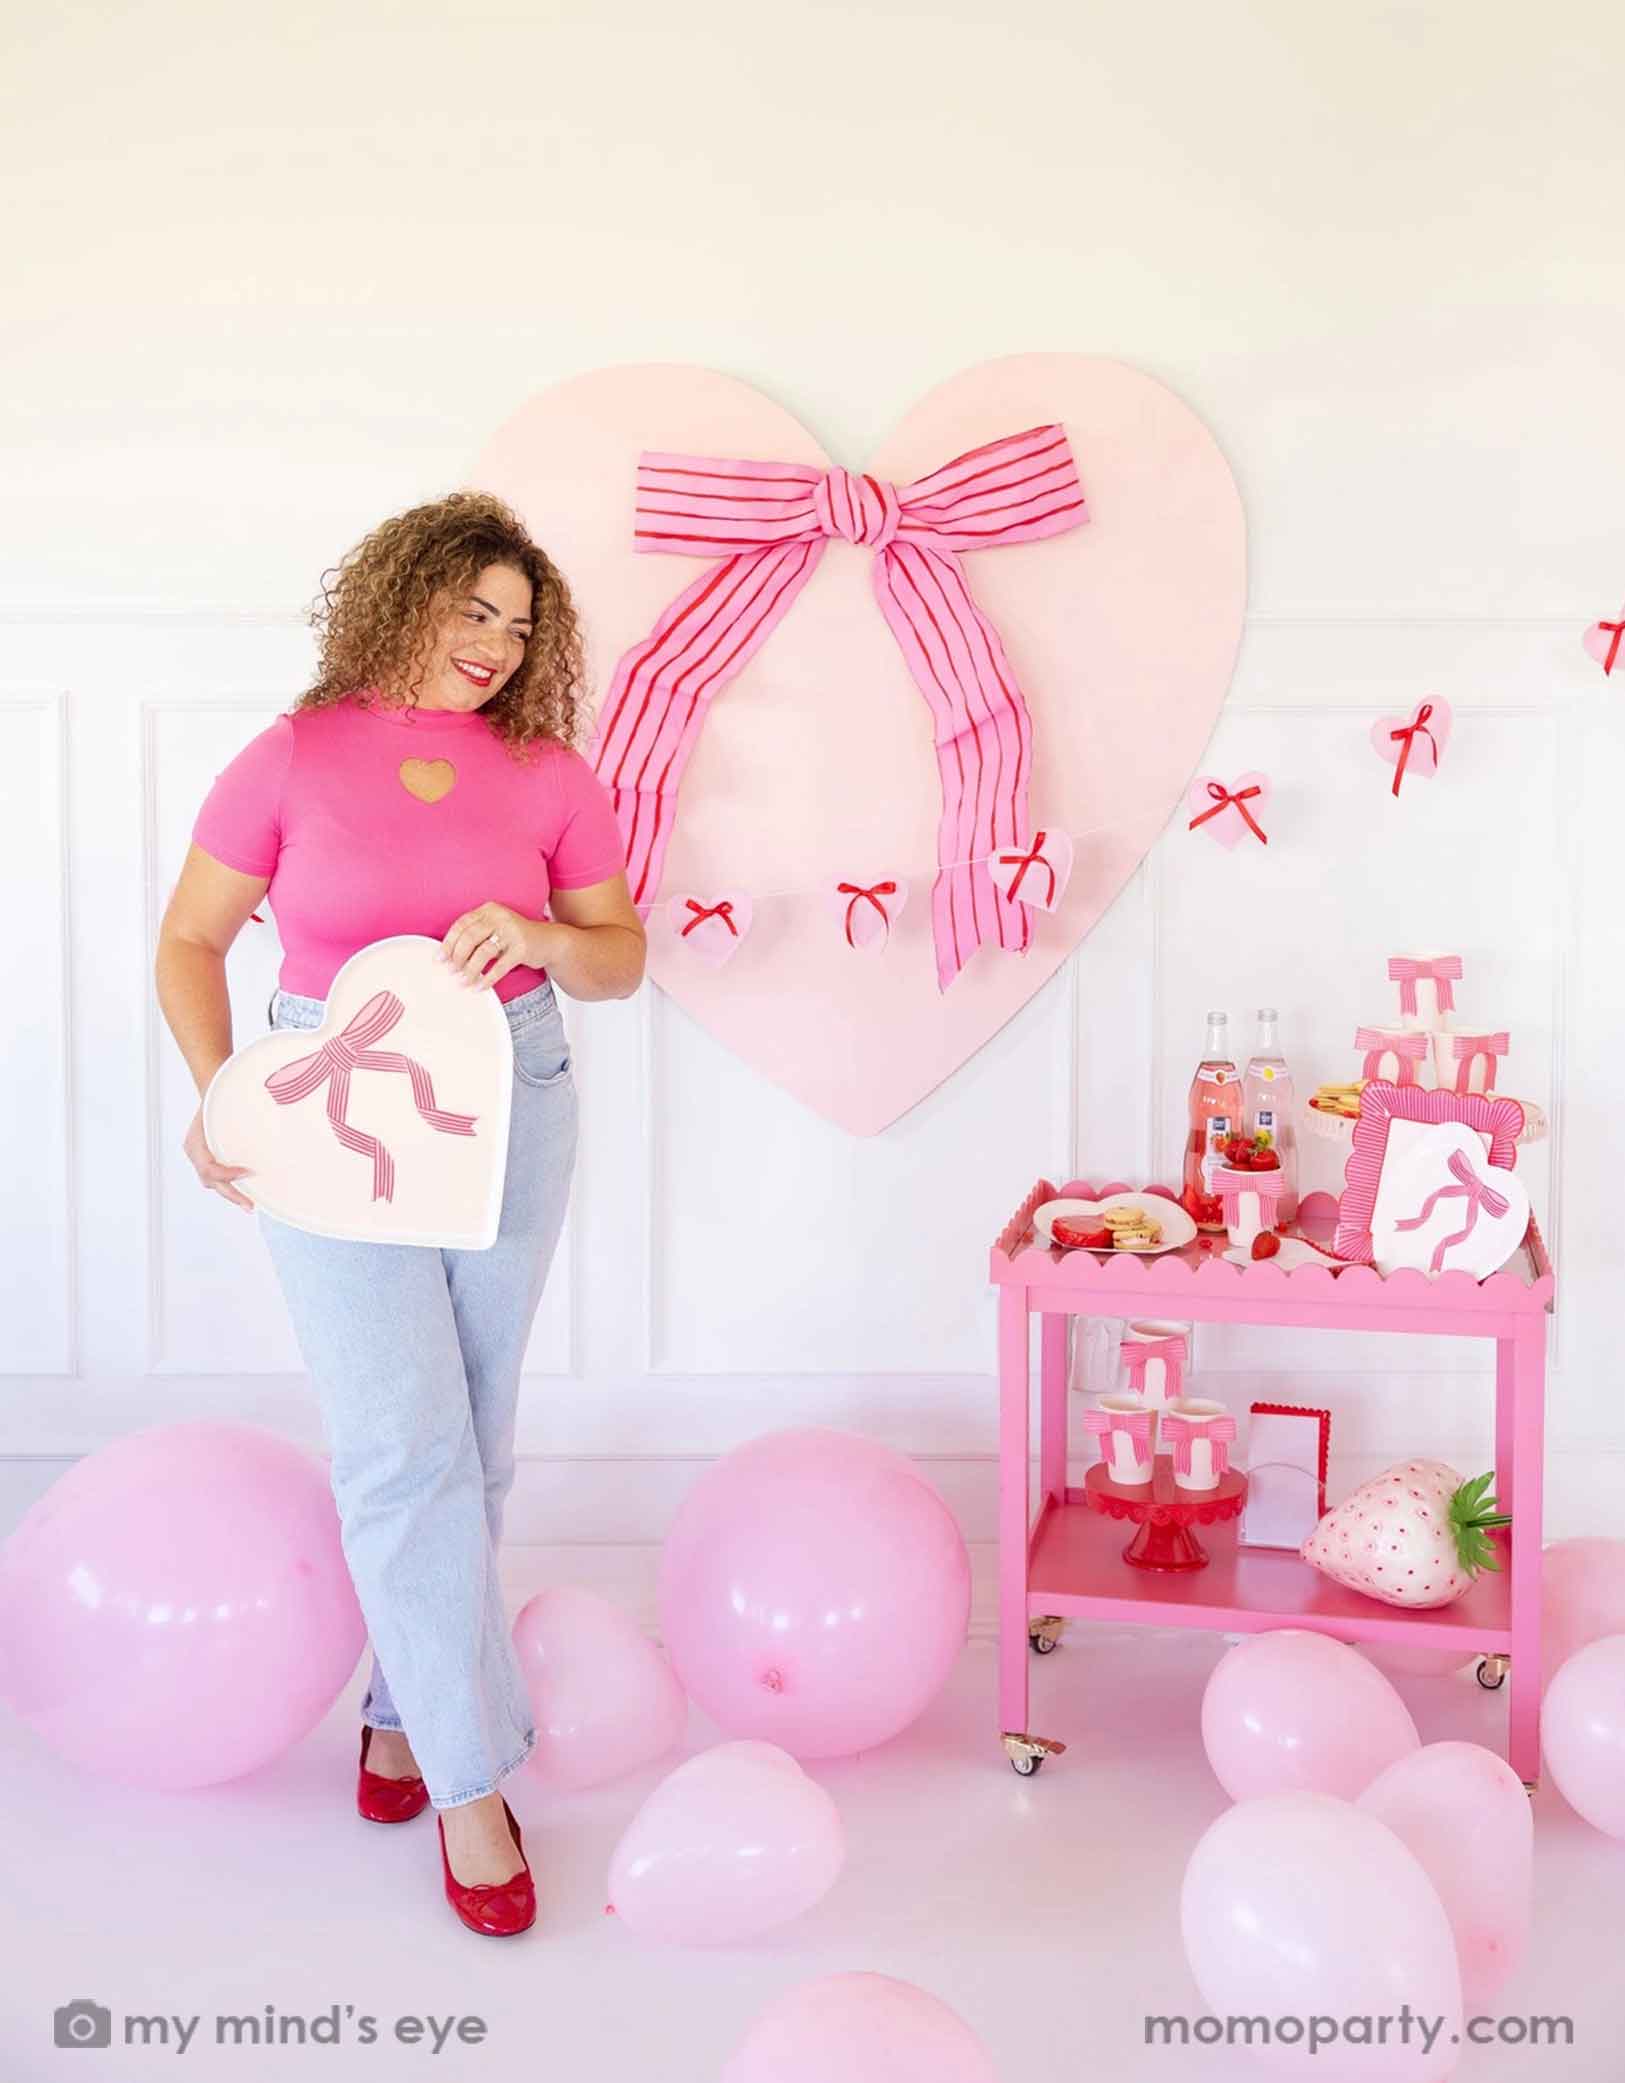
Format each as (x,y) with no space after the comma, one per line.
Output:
(1233,799)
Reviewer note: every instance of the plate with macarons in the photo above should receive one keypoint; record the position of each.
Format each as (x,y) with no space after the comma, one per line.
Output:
(1140,1222)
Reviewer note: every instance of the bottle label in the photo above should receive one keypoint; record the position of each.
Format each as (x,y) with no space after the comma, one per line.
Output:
(1266,1071)
(1218,1134)
(1215,1074)
(1264,1118)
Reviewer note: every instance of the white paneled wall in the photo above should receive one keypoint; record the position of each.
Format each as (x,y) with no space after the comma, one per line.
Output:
(1378,255)
(732,1262)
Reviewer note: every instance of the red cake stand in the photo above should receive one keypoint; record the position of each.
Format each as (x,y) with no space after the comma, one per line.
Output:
(1163,1513)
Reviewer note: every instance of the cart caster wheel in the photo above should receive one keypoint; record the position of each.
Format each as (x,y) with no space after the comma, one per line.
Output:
(1491,1672)
(1027,1753)
(1044,1636)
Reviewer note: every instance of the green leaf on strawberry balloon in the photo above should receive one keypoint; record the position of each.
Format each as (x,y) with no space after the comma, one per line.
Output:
(1472,1514)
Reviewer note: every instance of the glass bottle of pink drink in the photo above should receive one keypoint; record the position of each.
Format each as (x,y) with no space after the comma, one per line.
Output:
(1215,1116)
(1267,1109)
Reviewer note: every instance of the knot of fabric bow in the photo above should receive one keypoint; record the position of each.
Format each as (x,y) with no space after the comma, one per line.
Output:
(860,509)
(350,1050)
(766,525)
(1477,1193)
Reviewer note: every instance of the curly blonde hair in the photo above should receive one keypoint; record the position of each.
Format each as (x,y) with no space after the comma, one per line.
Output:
(377,616)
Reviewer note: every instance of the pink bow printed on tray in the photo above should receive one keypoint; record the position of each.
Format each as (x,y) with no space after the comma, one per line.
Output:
(767,525)
(867,911)
(1405,972)
(1181,1433)
(1211,799)
(1407,1050)
(1477,1193)
(350,1050)
(1138,1353)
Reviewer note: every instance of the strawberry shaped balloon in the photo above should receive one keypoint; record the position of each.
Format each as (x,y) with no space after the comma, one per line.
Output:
(1416,1535)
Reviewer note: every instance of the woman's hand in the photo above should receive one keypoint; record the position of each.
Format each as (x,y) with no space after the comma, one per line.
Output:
(489,934)
(210,1170)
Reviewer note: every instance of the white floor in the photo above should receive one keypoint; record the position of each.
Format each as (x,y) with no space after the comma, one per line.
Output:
(1044,1910)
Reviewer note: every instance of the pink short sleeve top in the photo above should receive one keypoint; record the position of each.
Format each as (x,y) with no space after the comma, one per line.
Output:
(317,804)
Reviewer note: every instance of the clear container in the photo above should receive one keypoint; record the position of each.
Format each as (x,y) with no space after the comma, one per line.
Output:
(1215,1115)
(1268,1108)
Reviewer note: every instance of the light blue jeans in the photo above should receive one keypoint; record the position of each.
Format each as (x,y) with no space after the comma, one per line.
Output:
(414,1354)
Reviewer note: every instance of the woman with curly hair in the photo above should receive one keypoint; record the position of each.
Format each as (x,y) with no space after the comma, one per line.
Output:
(426,783)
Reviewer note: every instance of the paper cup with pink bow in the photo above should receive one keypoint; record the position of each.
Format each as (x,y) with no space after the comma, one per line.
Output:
(388,1123)
(1198,1434)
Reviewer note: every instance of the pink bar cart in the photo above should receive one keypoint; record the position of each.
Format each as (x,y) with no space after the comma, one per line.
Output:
(1067,1563)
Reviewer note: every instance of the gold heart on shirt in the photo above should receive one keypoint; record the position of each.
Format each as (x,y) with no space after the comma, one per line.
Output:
(428,779)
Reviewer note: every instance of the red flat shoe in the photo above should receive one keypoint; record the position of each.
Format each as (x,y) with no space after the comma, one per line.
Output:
(383,1800)
(498,1909)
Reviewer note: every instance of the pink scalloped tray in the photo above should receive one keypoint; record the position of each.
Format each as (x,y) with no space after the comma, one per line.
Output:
(1179,1280)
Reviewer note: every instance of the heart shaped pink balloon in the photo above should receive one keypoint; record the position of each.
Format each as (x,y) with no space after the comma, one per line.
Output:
(1122,635)
(1428,726)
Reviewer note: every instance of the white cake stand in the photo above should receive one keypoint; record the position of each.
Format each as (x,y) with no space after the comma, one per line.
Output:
(1339,1128)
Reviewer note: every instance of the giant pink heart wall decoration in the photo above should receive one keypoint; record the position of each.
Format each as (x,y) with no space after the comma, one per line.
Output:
(1122,634)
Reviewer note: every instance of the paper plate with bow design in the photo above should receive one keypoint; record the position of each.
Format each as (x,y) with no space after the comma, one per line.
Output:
(388,1124)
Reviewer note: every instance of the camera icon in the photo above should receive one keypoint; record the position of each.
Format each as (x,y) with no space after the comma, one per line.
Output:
(83,2024)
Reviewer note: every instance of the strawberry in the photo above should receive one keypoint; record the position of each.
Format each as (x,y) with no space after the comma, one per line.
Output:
(1237,1150)
(1414,1536)
(1078,1233)
(1266,1244)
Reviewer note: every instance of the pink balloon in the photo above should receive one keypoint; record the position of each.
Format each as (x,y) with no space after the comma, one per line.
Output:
(734,1842)
(1414,1659)
(859,2028)
(1582,1597)
(1582,1733)
(1464,1815)
(604,1698)
(1295,1709)
(176,1610)
(814,1591)
(1303,1907)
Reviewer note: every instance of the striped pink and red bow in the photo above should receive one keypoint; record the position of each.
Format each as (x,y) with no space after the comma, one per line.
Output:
(350,1049)
(766,525)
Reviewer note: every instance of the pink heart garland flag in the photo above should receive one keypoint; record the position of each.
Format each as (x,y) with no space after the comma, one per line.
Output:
(865,912)
(1231,811)
(1414,744)
(1603,641)
(710,929)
